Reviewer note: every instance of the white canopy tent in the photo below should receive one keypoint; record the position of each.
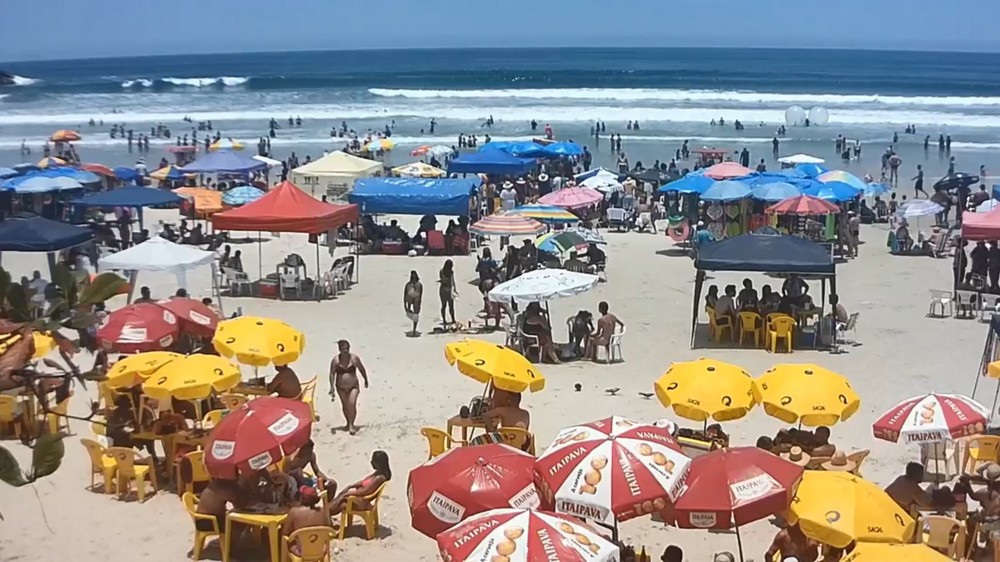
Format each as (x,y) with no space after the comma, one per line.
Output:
(271,162)
(800,159)
(543,285)
(158,254)
(336,172)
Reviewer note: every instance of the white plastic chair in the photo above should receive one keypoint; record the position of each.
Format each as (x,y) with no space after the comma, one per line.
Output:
(289,282)
(615,345)
(967,303)
(942,299)
(616,218)
(989,306)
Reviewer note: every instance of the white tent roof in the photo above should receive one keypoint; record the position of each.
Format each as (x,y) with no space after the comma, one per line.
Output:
(157,254)
(800,159)
(339,163)
(271,162)
(543,285)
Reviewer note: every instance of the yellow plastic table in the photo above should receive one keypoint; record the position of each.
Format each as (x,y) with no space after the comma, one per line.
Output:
(271,522)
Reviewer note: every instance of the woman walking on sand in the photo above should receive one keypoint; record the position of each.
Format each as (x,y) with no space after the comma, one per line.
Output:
(344,369)
(413,293)
(447,291)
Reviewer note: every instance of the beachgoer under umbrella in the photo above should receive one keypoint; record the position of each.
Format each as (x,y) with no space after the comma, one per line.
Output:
(304,458)
(309,513)
(905,490)
(536,324)
(792,542)
(344,369)
(285,383)
(364,487)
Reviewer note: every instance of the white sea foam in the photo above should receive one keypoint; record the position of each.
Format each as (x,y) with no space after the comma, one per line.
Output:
(189,82)
(671,95)
(24,81)
(141,82)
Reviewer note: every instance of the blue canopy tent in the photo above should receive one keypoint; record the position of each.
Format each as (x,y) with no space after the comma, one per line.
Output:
(562,149)
(490,162)
(413,196)
(521,149)
(225,161)
(133,196)
(37,234)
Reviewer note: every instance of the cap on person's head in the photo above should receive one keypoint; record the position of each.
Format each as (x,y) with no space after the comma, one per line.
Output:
(992,472)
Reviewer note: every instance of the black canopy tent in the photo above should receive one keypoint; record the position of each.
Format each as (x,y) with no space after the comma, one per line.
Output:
(763,253)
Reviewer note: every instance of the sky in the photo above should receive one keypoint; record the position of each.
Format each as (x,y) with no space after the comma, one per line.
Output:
(120,28)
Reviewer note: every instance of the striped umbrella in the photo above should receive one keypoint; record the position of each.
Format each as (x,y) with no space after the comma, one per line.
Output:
(226,144)
(843,177)
(560,242)
(507,225)
(545,213)
(170,172)
(98,169)
(572,197)
(380,144)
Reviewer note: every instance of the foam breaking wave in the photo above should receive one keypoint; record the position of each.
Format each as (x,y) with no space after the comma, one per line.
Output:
(216,81)
(24,81)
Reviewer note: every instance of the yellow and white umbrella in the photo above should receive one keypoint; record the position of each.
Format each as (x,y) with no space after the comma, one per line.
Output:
(418,170)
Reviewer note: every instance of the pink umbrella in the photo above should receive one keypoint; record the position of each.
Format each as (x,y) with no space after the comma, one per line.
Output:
(572,197)
(727,170)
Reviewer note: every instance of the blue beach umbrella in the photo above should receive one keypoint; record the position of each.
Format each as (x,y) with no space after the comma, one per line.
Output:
(789,173)
(841,176)
(726,190)
(691,183)
(563,149)
(125,173)
(40,184)
(775,191)
(812,170)
(8,173)
(875,189)
(25,167)
(241,195)
(834,191)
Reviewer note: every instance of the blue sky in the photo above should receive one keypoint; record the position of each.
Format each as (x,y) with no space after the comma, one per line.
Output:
(103,28)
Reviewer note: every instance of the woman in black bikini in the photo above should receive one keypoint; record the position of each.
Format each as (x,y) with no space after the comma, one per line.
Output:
(447,290)
(344,371)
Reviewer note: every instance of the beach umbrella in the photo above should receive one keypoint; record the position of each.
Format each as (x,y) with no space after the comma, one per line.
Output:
(561,242)
(563,149)
(611,470)
(257,435)
(649,175)
(125,173)
(603,183)
(916,208)
(466,481)
(806,394)
(226,144)
(523,535)
(875,189)
(193,377)
(241,195)
(727,170)
(800,159)
(833,191)
(803,205)
(595,172)
(507,225)
(25,167)
(727,190)
(170,172)
(775,191)
(98,169)
(257,341)
(491,363)
(380,144)
(137,328)
(789,173)
(591,236)
(8,173)
(195,318)
(691,183)
(843,177)
(987,206)
(882,552)
(421,150)
(572,198)
(65,135)
(706,389)
(43,343)
(838,508)
(543,285)
(134,369)
(930,418)
(50,162)
(34,183)
(545,213)
(956,180)
(440,150)
(418,170)
(812,170)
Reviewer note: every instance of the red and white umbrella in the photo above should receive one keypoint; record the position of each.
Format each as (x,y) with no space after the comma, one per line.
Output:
(931,418)
(194,316)
(611,470)
(469,480)
(521,535)
(137,328)
(257,435)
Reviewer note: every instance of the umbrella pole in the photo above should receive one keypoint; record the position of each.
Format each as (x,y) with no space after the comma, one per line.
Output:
(260,259)
(739,542)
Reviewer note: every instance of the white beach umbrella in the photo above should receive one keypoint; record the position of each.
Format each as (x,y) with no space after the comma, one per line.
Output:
(800,159)
(440,150)
(916,208)
(543,285)
(987,206)
(603,183)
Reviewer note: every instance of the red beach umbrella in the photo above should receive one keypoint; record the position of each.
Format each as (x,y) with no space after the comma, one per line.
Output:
(611,470)
(195,317)
(521,535)
(803,205)
(137,328)
(98,169)
(257,435)
(727,170)
(932,417)
(466,481)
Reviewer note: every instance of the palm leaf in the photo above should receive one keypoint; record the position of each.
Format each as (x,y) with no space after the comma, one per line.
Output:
(17,303)
(10,471)
(102,288)
(47,456)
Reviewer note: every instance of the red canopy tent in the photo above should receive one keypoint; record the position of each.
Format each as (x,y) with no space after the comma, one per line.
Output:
(981,226)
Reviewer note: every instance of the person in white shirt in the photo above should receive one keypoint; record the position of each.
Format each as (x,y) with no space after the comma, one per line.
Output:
(508,197)
(37,287)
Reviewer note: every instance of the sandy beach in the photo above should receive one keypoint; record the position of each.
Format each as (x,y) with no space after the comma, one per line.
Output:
(903,354)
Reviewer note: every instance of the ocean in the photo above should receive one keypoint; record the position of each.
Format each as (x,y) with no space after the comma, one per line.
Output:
(673,93)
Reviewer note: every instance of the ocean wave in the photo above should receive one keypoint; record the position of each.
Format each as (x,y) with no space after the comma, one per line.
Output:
(672,95)
(24,81)
(165,83)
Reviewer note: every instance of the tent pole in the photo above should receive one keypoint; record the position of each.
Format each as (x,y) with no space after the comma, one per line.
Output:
(318,295)
(260,259)
(699,280)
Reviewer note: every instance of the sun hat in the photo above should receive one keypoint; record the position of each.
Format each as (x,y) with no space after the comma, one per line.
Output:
(507,184)
(992,472)
(797,456)
(840,463)
(543,177)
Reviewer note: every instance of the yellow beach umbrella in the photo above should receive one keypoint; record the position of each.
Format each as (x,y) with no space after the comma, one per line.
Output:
(134,369)
(259,341)
(836,508)
(881,552)
(226,144)
(706,388)
(44,343)
(488,362)
(380,144)
(193,377)
(51,162)
(806,393)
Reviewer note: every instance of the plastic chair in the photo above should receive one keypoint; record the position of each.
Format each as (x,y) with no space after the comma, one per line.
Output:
(130,468)
(212,418)
(719,325)
(56,418)
(100,463)
(981,449)
(191,506)
(937,532)
(435,242)
(942,299)
(199,472)
(858,458)
(438,442)
(10,416)
(370,516)
(614,346)
(518,438)
(751,323)
(233,401)
(780,327)
(940,455)
(313,542)
(308,395)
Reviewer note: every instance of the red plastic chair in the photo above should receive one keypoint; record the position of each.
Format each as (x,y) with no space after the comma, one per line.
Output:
(435,242)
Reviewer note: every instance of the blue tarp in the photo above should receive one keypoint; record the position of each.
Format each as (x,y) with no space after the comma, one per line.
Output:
(130,197)
(224,161)
(490,162)
(413,196)
(765,254)
(37,234)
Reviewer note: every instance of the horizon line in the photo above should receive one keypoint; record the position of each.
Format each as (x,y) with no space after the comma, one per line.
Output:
(465,49)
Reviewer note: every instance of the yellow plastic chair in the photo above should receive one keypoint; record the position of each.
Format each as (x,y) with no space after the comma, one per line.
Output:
(751,323)
(313,542)
(99,426)
(10,416)
(308,395)
(56,418)
(100,463)
(199,472)
(517,438)
(233,401)
(131,467)
(858,458)
(982,449)
(718,325)
(437,441)
(212,418)
(191,506)
(369,516)
(942,533)
(780,327)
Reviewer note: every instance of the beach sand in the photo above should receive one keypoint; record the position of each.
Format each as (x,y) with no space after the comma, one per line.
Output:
(903,354)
